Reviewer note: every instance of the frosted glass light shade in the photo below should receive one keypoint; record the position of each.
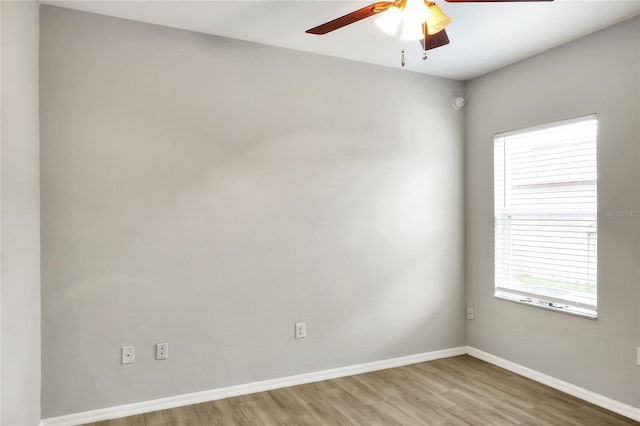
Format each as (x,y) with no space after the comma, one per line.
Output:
(415,12)
(437,19)
(389,21)
(412,32)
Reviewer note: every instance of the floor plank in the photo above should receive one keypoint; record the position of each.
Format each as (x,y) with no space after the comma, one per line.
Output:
(453,391)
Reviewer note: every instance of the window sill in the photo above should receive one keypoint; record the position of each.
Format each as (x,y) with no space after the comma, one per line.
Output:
(537,303)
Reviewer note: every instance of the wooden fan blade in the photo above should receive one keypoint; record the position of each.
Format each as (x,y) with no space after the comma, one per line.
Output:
(350,18)
(438,39)
(490,1)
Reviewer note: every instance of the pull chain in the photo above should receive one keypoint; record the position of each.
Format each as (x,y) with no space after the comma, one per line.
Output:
(403,61)
(424,45)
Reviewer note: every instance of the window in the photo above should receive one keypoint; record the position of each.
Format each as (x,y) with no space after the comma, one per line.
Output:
(545,186)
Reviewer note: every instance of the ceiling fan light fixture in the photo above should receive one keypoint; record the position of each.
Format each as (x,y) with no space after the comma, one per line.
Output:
(437,20)
(389,21)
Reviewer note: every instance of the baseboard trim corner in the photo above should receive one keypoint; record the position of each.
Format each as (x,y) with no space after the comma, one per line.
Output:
(244,389)
(566,387)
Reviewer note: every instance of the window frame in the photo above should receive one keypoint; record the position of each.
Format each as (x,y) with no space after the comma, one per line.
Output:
(535,299)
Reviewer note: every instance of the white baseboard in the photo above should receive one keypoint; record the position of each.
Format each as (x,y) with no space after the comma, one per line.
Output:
(566,387)
(265,385)
(245,389)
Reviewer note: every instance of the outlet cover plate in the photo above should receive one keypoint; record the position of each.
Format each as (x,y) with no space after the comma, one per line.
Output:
(162,350)
(301,330)
(128,354)
(471,315)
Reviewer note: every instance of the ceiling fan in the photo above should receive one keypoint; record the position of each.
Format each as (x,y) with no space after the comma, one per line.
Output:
(419,19)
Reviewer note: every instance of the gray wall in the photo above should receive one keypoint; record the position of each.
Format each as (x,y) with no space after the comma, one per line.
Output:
(209,193)
(596,74)
(20,216)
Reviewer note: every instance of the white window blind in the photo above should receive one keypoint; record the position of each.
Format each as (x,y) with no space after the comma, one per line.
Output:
(546,215)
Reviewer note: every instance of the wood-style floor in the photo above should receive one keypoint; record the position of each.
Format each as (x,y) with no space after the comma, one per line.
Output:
(453,391)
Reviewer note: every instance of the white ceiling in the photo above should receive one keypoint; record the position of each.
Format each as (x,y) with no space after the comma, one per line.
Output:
(484,36)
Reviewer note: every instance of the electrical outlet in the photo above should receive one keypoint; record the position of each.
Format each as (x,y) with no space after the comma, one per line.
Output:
(301,330)
(128,354)
(470,314)
(162,351)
